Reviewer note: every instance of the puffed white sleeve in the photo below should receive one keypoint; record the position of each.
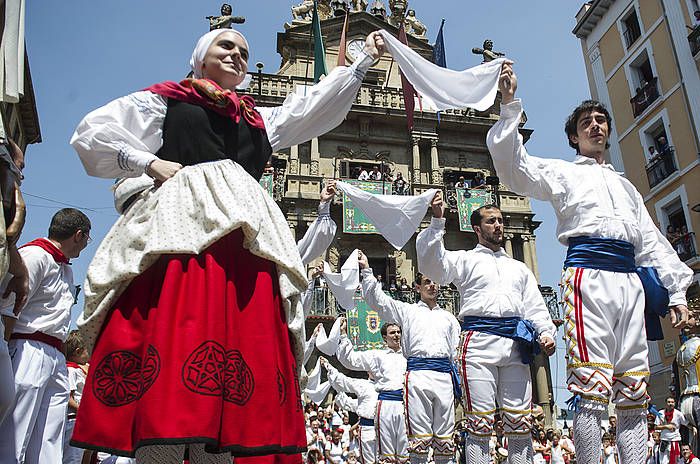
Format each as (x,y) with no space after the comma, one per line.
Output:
(121,138)
(319,236)
(434,261)
(308,113)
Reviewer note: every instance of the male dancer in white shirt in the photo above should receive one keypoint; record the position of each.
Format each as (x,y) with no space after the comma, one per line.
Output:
(388,368)
(430,336)
(366,405)
(604,222)
(33,431)
(504,323)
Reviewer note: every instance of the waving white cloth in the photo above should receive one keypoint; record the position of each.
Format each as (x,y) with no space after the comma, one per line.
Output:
(344,284)
(314,379)
(443,88)
(318,394)
(328,344)
(396,217)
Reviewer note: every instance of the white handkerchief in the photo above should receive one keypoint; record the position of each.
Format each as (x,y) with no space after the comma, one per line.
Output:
(344,284)
(396,217)
(314,379)
(328,344)
(318,394)
(444,88)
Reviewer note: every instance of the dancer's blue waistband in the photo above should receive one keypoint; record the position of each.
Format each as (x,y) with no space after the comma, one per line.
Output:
(613,255)
(391,395)
(516,328)
(366,422)
(444,365)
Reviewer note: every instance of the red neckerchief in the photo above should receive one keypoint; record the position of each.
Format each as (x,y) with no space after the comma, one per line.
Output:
(50,248)
(209,94)
(668,415)
(690,458)
(75,365)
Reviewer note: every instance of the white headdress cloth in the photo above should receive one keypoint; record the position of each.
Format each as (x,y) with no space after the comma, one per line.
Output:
(200,50)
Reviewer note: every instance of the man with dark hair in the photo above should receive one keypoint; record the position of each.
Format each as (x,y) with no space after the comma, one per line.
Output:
(429,340)
(504,323)
(33,431)
(615,260)
(669,425)
(388,367)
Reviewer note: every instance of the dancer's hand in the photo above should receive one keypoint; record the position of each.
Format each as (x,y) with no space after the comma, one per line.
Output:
(362,260)
(324,362)
(547,344)
(374,45)
(438,205)
(344,326)
(318,270)
(679,316)
(507,82)
(328,191)
(162,170)
(317,330)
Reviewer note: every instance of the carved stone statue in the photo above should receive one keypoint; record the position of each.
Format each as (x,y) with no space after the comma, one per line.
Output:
(487,52)
(398,11)
(359,5)
(378,9)
(417,28)
(303,12)
(225,20)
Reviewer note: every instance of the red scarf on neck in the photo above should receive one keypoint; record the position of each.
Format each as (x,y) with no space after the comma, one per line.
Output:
(668,415)
(50,248)
(209,94)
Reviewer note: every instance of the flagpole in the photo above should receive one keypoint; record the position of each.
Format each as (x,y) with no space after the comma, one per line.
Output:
(306,74)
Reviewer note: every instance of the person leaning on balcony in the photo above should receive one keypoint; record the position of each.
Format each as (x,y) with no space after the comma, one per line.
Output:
(696,18)
(604,222)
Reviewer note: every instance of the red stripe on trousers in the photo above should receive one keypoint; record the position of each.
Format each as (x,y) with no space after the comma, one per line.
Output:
(464,369)
(583,348)
(405,402)
(378,422)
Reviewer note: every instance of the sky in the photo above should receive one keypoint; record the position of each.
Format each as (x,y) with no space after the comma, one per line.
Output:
(84,53)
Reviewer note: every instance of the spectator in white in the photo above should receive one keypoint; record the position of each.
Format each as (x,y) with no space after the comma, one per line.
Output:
(654,445)
(609,452)
(505,322)
(653,154)
(688,456)
(430,336)
(613,245)
(364,175)
(696,17)
(76,361)
(33,432)
(669,424)
(388,368)
(375,174)
(315,438)
(366,405)
(335,452)
(336,417)
(561,453)
(462,183)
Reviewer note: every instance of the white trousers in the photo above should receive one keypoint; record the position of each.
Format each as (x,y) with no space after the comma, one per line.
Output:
(7,377)
(605,335)
(390,425)
(492,372)
(368,444)
(71,455)
(33,432)
(430,415)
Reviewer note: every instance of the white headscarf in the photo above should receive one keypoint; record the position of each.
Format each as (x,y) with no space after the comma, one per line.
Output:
(200,50)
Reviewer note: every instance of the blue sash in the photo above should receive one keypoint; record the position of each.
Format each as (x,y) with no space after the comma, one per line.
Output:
(516,328)
(438,365)
(391,395)
(366,422)
(618,256)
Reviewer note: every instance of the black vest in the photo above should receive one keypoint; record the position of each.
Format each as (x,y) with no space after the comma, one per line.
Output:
(193,134)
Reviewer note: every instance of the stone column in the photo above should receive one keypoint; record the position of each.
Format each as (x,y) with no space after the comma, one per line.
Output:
(315,157)
(508,244)
(533,257)
(434,164)
(294,159)
(416,161)
(541,386)
(527,255)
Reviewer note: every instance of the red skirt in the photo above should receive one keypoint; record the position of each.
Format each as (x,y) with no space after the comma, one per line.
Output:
(196,350)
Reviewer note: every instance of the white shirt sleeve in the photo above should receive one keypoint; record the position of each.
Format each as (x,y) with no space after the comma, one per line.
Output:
(525,174)
(121,138)
(307,298)
(434,261)
(355,360)
(321,108)
(388,308)
(656,251)
(341,382)
(318,236)
(535,308)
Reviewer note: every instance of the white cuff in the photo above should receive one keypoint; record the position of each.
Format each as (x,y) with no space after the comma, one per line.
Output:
(677,298)
(438,223)
(512,109)
(363,62)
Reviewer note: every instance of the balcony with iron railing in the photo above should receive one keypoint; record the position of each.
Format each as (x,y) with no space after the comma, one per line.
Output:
(661,167)
(632,33)
(645,96)
(685,246)
(694,40)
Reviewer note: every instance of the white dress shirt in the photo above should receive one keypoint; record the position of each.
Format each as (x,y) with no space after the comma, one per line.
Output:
(363,388)
(491,284)
(425,332)
(51,295)
(677,420)
(387,366)
(121,138)
(588,198)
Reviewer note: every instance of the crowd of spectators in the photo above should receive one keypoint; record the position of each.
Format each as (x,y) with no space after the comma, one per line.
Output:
(330,437)
(681,240)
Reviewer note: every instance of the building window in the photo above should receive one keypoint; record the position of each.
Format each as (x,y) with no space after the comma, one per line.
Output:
(677,232)
(660,155)
(646,90)
(631,30)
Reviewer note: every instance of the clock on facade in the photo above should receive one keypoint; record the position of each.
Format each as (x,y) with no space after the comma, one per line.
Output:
(355,47)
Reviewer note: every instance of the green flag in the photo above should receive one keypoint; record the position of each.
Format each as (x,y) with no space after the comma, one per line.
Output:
(319,49)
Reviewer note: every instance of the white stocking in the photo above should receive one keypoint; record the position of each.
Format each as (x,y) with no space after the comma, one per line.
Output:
(587,434)
(631,435)
(520,450)
(478,450)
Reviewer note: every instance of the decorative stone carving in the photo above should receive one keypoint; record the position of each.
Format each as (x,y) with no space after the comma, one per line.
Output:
(398,11)
(313,167)
(359,5)
(225,20)
(414,26)
(487,52)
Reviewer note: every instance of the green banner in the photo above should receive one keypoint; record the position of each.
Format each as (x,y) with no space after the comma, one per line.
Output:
(467,202)
(354,220)
(267,182)
(364,326)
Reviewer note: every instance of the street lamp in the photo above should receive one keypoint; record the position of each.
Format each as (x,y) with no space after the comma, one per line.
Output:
(260,67)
